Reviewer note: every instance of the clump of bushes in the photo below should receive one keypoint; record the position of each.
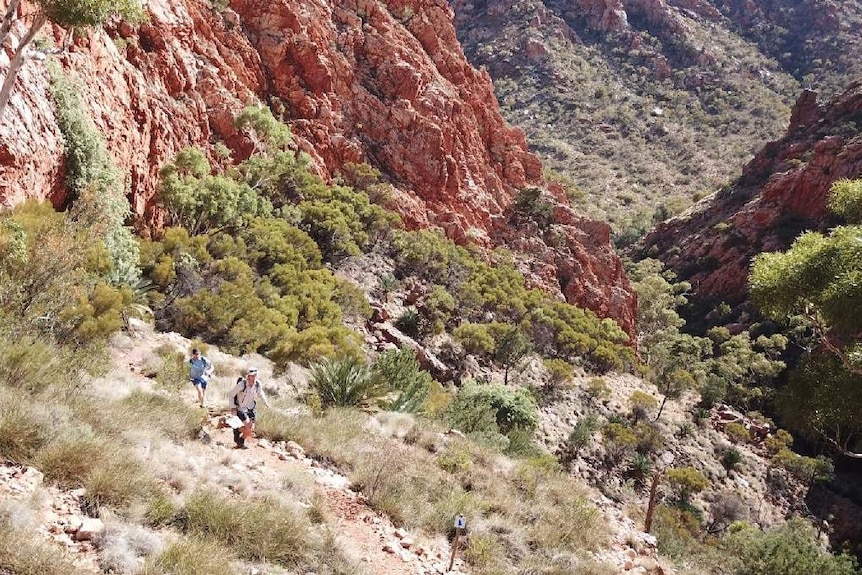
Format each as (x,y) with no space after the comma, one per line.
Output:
(492,413)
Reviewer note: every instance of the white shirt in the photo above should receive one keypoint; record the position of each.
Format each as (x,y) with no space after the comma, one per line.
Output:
(244,396)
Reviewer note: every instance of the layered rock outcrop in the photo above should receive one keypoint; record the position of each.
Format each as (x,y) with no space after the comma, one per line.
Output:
(782,191)
(357,81)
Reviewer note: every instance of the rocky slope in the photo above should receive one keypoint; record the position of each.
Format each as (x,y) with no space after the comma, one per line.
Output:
(359,81)
(648,105)
(782,191)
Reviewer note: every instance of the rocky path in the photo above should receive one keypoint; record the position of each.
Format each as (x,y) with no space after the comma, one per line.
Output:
(367,536)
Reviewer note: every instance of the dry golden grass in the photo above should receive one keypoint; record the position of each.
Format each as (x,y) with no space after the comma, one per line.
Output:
(192,556)
(25,552)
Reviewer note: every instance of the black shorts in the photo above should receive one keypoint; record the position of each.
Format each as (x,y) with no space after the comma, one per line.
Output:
(246,415)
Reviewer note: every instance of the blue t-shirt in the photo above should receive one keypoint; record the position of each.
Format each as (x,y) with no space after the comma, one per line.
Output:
(199,368)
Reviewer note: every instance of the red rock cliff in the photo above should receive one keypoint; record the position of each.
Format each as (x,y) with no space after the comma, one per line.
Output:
(358,80)
(782,191)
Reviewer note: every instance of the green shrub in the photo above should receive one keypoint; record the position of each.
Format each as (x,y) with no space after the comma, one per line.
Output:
(684,429)
(409,387)
(408,322)
(685,482)
(475,338)
(789,550)
(649,438)
(731,458)
(619,440)
(559,372)
(641,403)
(580,435)
(455,458)
(512,408)
(639,467)
(806,469)
(598,388)
(345,382)
(437,309)
(777,441)
(737,432)
(677,531)
(95,184)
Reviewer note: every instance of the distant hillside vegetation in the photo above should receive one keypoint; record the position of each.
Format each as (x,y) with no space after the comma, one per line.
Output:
(641,108)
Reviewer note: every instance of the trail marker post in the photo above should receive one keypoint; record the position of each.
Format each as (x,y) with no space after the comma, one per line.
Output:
(460,523)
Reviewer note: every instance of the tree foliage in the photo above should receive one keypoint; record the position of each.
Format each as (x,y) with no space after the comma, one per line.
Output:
(789,550)
(819,279)
(65,13)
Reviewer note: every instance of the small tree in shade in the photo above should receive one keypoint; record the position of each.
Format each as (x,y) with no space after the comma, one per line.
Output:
(66,13)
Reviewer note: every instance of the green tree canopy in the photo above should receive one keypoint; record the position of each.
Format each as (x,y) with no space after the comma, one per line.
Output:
(819,279)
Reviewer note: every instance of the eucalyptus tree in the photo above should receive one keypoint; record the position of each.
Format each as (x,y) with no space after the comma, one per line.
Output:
(65,13)
(819,281)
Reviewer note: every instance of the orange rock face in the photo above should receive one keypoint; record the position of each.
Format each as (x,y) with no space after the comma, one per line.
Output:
(357,81)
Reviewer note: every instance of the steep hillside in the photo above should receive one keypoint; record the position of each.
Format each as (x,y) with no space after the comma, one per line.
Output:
(381,83)
(647,106)
(816,41)
(782,191)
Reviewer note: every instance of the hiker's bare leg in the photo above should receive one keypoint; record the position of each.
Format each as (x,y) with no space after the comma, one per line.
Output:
(200,393)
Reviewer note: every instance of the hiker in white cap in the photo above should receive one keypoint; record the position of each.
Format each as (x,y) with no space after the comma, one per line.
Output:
(243,403)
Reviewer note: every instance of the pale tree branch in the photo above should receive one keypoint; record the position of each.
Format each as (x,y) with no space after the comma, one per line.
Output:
(18,60)
(8,20)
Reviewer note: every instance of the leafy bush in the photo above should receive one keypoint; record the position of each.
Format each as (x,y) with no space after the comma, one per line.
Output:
(598,388)
(409,387)
(737,432)
(807,469)
(408,322)
(437,309)
(649,438)
(95,184)
(475,338)
(345,382)
(641,403)
(777,441)
(559,372)
(790,550)
(512,408)
(580,435)
(685,482)
(201,202)
(677,530)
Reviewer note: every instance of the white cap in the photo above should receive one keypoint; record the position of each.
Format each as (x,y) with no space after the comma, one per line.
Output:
(251,371)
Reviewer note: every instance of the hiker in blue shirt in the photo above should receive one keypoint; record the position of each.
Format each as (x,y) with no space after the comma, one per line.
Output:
(243,403)
(200,372)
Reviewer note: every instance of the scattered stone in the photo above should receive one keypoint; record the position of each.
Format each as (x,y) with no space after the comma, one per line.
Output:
(90,528)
